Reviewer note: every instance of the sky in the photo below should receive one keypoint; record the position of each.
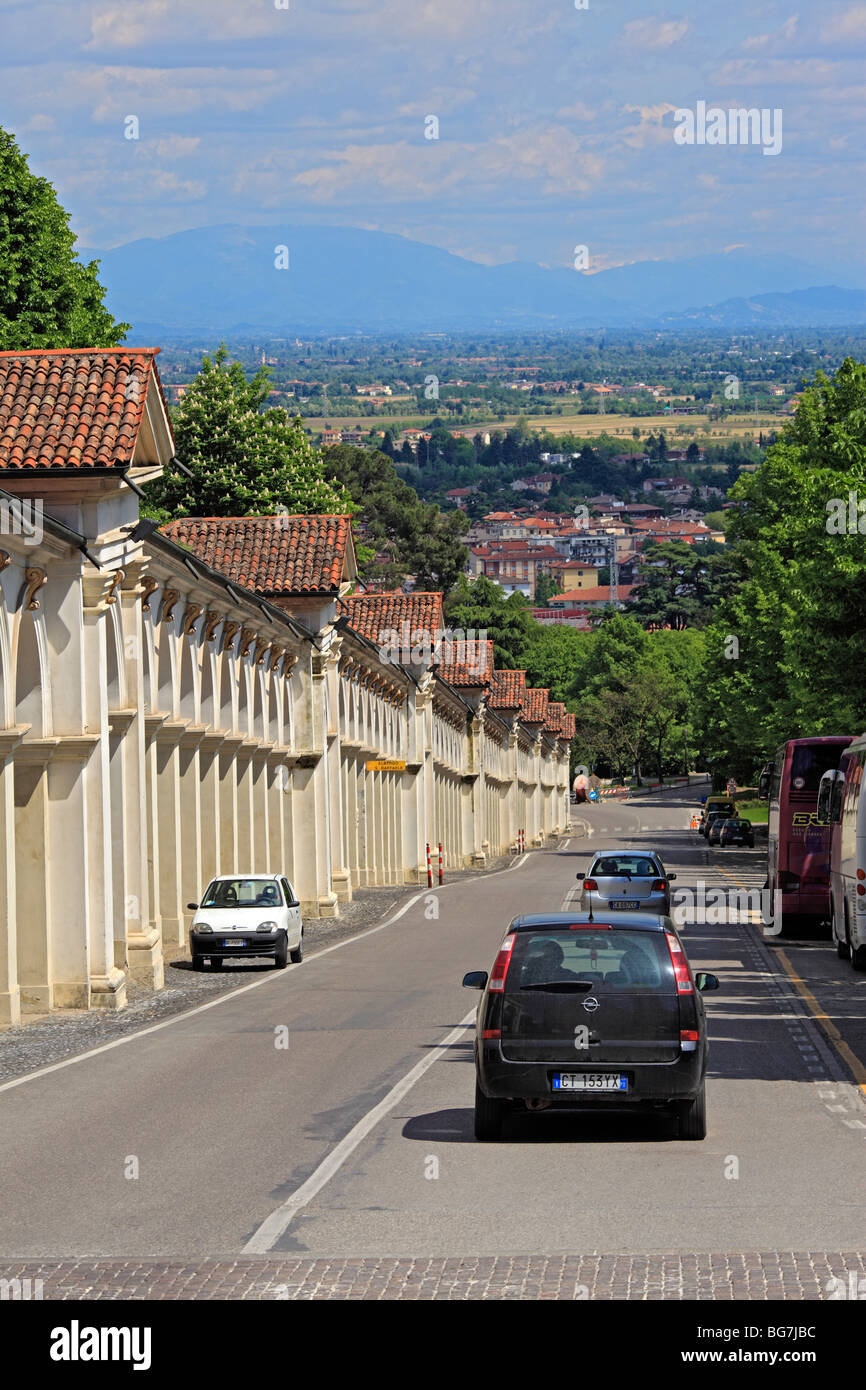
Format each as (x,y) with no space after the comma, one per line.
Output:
(555,123)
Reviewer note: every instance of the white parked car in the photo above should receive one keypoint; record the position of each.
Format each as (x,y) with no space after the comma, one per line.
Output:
(247,915)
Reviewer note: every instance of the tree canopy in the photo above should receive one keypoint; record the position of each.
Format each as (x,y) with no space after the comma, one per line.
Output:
(48,298)
(244,461)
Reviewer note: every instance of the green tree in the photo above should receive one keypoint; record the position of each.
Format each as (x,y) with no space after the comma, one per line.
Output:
(483,606)
(244,461)
(47,297)
(420,539)
(546,586)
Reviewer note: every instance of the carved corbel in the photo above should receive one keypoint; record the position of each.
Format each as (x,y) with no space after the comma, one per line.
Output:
(212,620)
(248,636)
(117,579)
(35,578)
(229,632)
(274,658)
(261,647)
(191,614)
(148,585)
(169,599)
(5,559)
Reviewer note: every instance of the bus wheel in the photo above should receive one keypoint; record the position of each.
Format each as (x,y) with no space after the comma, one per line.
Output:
(841,945)
(857,956)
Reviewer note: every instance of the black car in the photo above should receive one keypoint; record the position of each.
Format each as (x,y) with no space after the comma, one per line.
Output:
(581,1012)
(737,832)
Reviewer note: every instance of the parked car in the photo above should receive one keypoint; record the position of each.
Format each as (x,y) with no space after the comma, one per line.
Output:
(247,915)
(718,804)
(736,831)
(712,830)
(626,880)
(590,1013)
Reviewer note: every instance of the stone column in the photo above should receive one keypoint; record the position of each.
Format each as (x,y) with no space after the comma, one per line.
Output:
(10,993)
(169,830)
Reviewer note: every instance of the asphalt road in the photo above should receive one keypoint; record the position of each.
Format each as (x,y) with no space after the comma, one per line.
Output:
(327,1109)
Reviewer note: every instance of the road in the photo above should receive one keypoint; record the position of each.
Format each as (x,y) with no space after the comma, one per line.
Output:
(326,1110)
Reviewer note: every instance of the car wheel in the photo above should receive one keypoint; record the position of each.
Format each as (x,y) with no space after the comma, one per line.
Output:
(197,960)
(489,1117)
(693,1116)
(297,955)
(281,955)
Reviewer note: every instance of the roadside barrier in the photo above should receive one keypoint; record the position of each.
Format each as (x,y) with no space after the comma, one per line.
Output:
(429,870)
(441,878)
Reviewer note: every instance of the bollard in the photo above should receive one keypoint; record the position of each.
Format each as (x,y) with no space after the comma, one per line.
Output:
(441,879)
(429,870)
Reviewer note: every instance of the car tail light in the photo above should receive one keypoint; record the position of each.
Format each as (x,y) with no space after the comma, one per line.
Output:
(658,885)
(492,1033)
(860,889)
(861,873)
(689,1039)
(589,926)
(500,965)
(680,964)
(590,885)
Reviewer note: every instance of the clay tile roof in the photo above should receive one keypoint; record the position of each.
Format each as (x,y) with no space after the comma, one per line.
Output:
(72,408)
(508,690)
(468,661)
(568,726)
(406,620)
(271,555)
(534,706)
(554,715)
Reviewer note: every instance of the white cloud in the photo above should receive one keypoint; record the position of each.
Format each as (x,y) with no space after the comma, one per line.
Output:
(850,25)
(177,146)
(654,32)
(578,111)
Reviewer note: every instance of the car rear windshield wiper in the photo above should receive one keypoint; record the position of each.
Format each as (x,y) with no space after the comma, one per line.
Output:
(562,986)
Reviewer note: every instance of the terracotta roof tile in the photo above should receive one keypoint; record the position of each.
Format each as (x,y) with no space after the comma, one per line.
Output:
(72,408)
(467,662)
(534,706)
(271,555)
(414,618)
(508,690)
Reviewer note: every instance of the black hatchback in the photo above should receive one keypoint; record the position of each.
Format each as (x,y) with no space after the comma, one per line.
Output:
(584,1013)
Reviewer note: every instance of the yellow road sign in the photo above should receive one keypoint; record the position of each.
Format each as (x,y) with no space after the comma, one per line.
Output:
(385,765)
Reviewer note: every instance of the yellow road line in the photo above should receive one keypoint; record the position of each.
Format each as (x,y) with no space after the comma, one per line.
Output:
(827,1026)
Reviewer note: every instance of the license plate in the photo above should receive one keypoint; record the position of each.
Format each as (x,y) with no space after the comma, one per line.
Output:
(623,903)
(589,1081)
(233,941)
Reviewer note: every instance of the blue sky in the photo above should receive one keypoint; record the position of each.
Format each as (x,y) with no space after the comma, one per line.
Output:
(555,123)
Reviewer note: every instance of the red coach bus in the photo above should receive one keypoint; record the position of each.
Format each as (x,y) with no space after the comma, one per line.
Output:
(798,844)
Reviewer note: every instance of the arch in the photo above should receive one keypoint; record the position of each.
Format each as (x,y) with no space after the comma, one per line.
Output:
(228,690)
(243,689)
(165,668)
(257,714)
(32,691)
(186,694)
(7,708)
(115,664)
(273,729)
(207,696)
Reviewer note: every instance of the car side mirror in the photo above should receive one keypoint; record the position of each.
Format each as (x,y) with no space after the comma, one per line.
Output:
(476,979)
(671,878)
(192,907)
(704,980)
(293,902)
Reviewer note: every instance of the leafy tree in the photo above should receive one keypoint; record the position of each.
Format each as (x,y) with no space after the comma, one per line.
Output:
(47,297)
(680,586)
(422,540)
(484,606)
(555,658)
(244,461)
(546,586)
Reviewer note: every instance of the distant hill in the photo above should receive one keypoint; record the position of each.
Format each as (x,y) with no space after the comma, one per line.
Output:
(222,281)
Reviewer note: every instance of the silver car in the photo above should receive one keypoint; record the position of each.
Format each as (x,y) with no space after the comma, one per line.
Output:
(626,880)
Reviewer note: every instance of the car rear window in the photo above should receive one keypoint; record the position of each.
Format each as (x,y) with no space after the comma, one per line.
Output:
(616,958)
(625,865)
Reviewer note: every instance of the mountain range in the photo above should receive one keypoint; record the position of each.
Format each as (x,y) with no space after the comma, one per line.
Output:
(223,281)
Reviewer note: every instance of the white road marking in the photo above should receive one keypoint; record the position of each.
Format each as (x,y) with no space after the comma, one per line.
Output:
(274,1225)
(256,984)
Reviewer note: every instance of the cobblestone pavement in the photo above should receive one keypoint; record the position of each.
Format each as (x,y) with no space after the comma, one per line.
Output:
(52,1038)
(759,1275)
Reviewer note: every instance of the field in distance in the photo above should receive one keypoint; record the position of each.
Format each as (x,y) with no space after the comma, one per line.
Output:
(696,427)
